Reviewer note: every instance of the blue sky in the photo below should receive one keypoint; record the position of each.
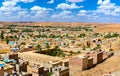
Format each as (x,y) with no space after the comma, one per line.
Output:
(60,10)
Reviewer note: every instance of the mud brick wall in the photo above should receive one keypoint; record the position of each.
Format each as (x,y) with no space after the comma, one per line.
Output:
(27,75)
(41,69)
(84,63)
(66,64)
(13,56)
(57,64)
(42,72)
(64,72)
(97,57)
(90,62)
(27,49)
(105,56)
(23,67)
(100,57)
(80,62)
(75,61)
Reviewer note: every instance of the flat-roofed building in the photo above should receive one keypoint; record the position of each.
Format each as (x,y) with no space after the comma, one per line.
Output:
(4,48)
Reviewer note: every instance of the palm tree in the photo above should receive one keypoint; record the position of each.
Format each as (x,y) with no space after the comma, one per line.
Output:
(61,53)
(47,46)
(7,39)
(57,52)
(39,48)
(16,38)
(2,35)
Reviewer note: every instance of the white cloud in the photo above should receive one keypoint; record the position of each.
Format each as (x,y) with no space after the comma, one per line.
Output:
(38,8)
(9,6)
(40,11)
(68,6)
(62,15)
(82,13)
(10,9)
(87,14)
(9,3)
(23,14)
(99,2)
(75,1)
(117,10)
(51,1)
(104,2)
(104,11)
(107,8)
(26,1)
(14,12)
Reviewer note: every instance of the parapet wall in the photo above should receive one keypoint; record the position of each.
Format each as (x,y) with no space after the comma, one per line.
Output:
(88,60)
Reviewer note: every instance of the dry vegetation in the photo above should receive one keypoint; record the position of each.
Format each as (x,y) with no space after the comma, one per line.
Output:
(100,27)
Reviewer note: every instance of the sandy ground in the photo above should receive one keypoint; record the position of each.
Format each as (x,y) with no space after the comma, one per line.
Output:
(110,65)
(108,28)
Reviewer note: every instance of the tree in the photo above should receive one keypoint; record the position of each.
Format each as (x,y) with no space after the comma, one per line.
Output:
(78,52)
(7,39)
(54,53)
(49,74)
(2,35)
(47,46)
(71,53)
(57,52)
(115,34)
(82,35)
(97,47)
(84,48)
(108,35)
(39,49)
(61,53)
(27,30)
(96,34)
(16,37)
(52,36)
(23,43)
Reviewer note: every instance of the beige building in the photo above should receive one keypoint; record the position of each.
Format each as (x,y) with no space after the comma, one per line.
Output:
(4,48)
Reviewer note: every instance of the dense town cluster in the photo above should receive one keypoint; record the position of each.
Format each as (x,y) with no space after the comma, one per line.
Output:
(53,50)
